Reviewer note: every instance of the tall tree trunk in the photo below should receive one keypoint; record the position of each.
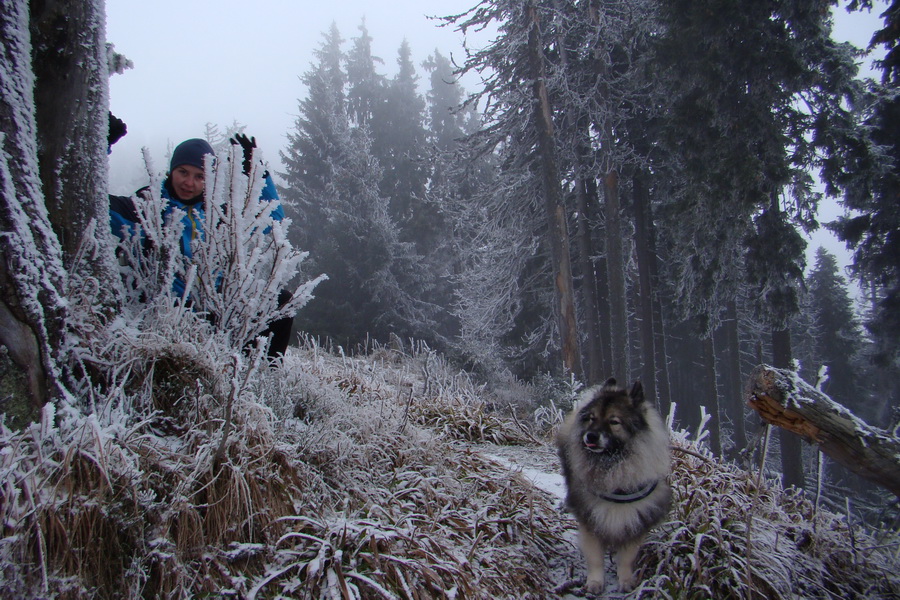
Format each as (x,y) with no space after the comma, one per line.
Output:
(71,97)
(595,372)
(575,123)
(601,287)
(556,215)
(711,394)
(734,387)
(659,323)
(615,266)
(32,308)
(791,445)
(644,261)
(659,345)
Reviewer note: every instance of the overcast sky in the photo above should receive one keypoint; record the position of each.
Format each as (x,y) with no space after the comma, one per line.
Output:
(217,61)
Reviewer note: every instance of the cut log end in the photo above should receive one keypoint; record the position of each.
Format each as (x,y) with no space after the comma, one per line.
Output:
(773,413)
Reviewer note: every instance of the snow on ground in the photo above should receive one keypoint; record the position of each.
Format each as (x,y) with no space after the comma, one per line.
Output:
(539,464)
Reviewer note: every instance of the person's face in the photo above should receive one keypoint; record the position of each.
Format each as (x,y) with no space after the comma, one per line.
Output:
(187,181)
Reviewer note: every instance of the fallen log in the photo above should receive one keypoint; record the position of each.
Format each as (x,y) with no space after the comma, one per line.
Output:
(781,398)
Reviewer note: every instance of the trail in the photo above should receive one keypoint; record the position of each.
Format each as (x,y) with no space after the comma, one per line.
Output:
(539,464)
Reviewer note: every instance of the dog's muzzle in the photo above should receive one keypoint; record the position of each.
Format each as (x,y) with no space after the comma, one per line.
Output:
(594,441)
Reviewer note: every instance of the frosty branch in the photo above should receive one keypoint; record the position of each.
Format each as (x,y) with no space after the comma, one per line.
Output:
(781,398)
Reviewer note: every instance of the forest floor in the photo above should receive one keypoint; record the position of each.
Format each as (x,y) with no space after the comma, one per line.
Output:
(374,476)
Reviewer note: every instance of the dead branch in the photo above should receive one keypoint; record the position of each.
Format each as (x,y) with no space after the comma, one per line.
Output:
(781,398)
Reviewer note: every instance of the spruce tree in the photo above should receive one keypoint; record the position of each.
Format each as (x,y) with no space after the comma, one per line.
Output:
(400,139)
(871,183)
(839,340)
(365,86)
(319,125)
(333,177)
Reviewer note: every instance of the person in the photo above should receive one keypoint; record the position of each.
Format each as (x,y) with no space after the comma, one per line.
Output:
(184,188)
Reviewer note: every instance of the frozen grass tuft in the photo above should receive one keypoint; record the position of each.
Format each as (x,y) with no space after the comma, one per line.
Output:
(732,534)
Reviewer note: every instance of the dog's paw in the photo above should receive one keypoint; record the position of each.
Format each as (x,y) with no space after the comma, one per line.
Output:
(594,586)
(628,584)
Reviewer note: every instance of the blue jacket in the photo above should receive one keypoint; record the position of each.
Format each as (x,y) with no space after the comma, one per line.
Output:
(122,214)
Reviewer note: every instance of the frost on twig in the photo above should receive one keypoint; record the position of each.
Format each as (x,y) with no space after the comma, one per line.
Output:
(236,270)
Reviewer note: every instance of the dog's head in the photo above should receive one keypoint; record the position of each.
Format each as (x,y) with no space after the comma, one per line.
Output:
(610,417)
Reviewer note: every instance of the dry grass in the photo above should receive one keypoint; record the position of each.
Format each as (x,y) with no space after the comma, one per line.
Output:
(354,477)
(733,535)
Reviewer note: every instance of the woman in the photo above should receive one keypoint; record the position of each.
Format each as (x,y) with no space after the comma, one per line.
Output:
(183,189)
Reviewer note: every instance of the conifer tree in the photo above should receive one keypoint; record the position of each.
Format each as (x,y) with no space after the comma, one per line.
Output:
(333,177)
(871,183)
(839,340)
(743,146)
(365,86)
(317,128)
(522,126)
(400,137)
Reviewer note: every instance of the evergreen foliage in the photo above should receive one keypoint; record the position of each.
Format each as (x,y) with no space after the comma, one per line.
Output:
(870,186)
(839,337)
(357,171)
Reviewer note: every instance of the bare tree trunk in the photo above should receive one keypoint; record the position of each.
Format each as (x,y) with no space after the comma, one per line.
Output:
(645,259)
(595,372)
(791,447)
(71,97)
(711,393)
(662,356)
(601,287)
(733,390)
(576,124)
(556,215)
(32,309)
(615,266)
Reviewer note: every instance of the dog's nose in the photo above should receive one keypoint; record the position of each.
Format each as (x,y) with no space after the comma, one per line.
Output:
(591,438)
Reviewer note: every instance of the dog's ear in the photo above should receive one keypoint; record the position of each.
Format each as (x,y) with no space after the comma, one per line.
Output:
(610,383)
(637,393)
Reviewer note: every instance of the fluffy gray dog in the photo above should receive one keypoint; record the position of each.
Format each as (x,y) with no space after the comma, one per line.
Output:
(614,450)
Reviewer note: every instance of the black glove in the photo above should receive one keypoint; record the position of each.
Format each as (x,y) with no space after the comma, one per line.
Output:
(248,144)
(117,130)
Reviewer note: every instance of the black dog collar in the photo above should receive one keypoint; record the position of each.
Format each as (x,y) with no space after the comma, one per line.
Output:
(623,497)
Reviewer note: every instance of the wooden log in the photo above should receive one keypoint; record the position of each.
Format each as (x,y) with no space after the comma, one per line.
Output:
(781,398)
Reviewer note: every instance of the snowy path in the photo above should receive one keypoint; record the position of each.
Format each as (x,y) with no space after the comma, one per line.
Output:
(539,464)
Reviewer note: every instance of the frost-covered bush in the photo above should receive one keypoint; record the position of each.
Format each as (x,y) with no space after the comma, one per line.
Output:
(238,267)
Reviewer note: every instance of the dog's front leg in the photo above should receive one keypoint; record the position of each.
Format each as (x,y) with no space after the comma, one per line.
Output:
(625,565)
(595,557)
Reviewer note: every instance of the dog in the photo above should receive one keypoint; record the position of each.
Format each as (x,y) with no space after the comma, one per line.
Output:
(614,450)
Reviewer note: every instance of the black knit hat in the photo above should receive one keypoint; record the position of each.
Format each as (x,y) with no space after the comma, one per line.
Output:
(190,152)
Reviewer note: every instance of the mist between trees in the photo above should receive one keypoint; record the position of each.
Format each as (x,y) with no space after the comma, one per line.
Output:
(624,196)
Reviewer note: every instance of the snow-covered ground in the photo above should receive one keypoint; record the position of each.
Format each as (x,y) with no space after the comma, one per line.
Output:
(367,477)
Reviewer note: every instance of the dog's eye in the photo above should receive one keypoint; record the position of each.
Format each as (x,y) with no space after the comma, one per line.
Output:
(615,421)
